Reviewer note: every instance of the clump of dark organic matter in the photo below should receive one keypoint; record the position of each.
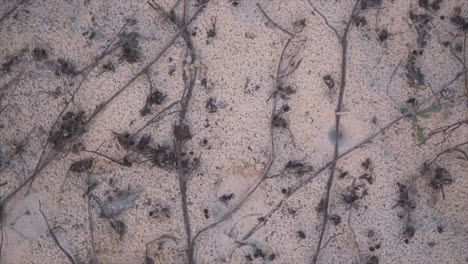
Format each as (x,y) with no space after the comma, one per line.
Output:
(297,167)
(354,192)
(154,98)
(119,226)
(65,67)
(71,126)
(131,52)
(39,54)
(211,105)
(160,211)
(82,165)
(329,81)
(413,72)
(225,198)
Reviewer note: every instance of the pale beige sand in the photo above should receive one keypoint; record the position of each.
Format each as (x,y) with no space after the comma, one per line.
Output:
(239,67)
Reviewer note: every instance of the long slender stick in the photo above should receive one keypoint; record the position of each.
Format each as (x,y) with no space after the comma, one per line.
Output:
(344,65)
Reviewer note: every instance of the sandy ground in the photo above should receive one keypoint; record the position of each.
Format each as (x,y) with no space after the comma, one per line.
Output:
(392,200)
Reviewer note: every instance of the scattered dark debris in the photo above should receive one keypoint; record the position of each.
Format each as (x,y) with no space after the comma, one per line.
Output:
(125,139)
(154,98)
(65,67)
(367,164)
(403,197)
(440,229)
(354,193)
(343,174)
(299,25)
(39,54)
(171,71)
(370,233)
(383,35)
(413,73)
(321,206)
(72,125)
(234,3)
(259,253)
(211,105)
(367,177)
(373,260)
(298,167)
(441,177)
(115,206)
(412,102)
(421,24)
(409,232)
(460,22)
(119,226)
(292,211)
(424,4)
(212,32)
(377,246)
(91,185)
(182,132)
(249,257)
(336,219)
(206,213)
(163,156)
(201,3)
(160,211)
(286,90)
(301,234)
(204,83)
(126,161)
(421,18)
(9,62)
(279,121)
(285,108)
(350,196)
(18,148)
(431,244)
(434,6)
(90,34)
(225,198)
(360,21)
(82,165)
(143,143)
(272,257)
(365,4)
(458,48)
(130,50)
(204,142)
(108,67)
(329,81)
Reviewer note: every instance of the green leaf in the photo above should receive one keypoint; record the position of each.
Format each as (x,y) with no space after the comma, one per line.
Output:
(403,110)
(420,135)
(423,115)
(432,109)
